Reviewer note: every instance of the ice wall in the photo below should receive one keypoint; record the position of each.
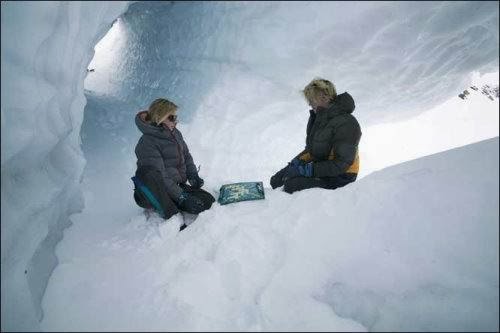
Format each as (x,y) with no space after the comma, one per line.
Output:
(46,47)
(396,58)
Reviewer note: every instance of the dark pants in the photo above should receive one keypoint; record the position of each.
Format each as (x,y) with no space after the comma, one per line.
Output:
(203,195)
(301,183)
(153,180)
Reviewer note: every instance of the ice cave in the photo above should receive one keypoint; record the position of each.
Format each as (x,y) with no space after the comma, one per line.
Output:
(412,245)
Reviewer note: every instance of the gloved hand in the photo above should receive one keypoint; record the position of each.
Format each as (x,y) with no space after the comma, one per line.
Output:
(296,162)
(277,179)
(190,203)
(299,169)
(294,168)
(196,181)
(306,170)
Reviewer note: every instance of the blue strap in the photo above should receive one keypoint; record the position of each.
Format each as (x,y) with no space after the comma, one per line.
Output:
(148,195)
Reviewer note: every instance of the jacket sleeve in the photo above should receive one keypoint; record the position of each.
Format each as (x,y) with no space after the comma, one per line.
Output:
(149,155)
(173,189)
(303,155)
(344,147)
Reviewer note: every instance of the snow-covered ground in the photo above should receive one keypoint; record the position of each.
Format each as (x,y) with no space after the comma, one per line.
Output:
(411,247)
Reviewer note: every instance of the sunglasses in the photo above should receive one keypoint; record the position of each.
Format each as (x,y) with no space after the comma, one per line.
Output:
(172,117)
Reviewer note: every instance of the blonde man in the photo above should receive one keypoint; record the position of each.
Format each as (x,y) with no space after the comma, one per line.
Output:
(164,164)
(330,158)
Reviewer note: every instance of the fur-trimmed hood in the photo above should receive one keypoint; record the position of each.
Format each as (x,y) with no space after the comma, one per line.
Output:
(147,127)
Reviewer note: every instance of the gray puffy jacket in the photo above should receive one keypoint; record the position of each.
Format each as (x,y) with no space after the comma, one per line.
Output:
(165,151)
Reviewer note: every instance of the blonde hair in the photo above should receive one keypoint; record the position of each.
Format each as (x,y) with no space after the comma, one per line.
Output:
(160,108)
(318,87)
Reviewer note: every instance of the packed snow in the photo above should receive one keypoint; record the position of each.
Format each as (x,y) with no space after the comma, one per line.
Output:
(410,247)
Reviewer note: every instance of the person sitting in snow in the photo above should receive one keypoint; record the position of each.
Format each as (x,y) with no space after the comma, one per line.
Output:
(330,158)
(164,164)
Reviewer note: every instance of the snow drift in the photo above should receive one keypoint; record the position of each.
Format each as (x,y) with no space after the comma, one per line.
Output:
(413,247)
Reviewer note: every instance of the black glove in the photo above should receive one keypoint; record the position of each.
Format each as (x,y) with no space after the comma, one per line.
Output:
(191,204)
(196,181)
(295,168)
(291,171)
(277,179)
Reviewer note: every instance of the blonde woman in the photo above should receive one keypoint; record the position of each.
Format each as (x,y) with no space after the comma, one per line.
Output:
(330,158)
(164,164)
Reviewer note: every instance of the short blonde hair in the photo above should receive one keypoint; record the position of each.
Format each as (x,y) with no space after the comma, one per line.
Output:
(160,108)
(318,87)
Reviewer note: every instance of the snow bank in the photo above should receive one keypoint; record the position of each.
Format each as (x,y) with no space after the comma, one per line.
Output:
(408,248)
(452,124)
(46,47)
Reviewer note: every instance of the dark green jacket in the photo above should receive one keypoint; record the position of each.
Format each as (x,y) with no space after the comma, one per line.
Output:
(333,135)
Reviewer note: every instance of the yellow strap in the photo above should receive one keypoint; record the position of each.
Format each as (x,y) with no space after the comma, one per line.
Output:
(306,157)
(353,168)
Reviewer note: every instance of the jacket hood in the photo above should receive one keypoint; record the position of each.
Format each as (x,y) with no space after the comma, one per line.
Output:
(343,103)
(147,128)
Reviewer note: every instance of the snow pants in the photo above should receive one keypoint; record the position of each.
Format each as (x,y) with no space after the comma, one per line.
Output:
(301,183)
(153,180)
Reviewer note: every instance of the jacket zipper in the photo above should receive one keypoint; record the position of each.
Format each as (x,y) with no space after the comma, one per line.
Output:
(178,150)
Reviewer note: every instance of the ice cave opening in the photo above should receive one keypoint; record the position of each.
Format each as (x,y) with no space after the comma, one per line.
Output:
(236,70)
